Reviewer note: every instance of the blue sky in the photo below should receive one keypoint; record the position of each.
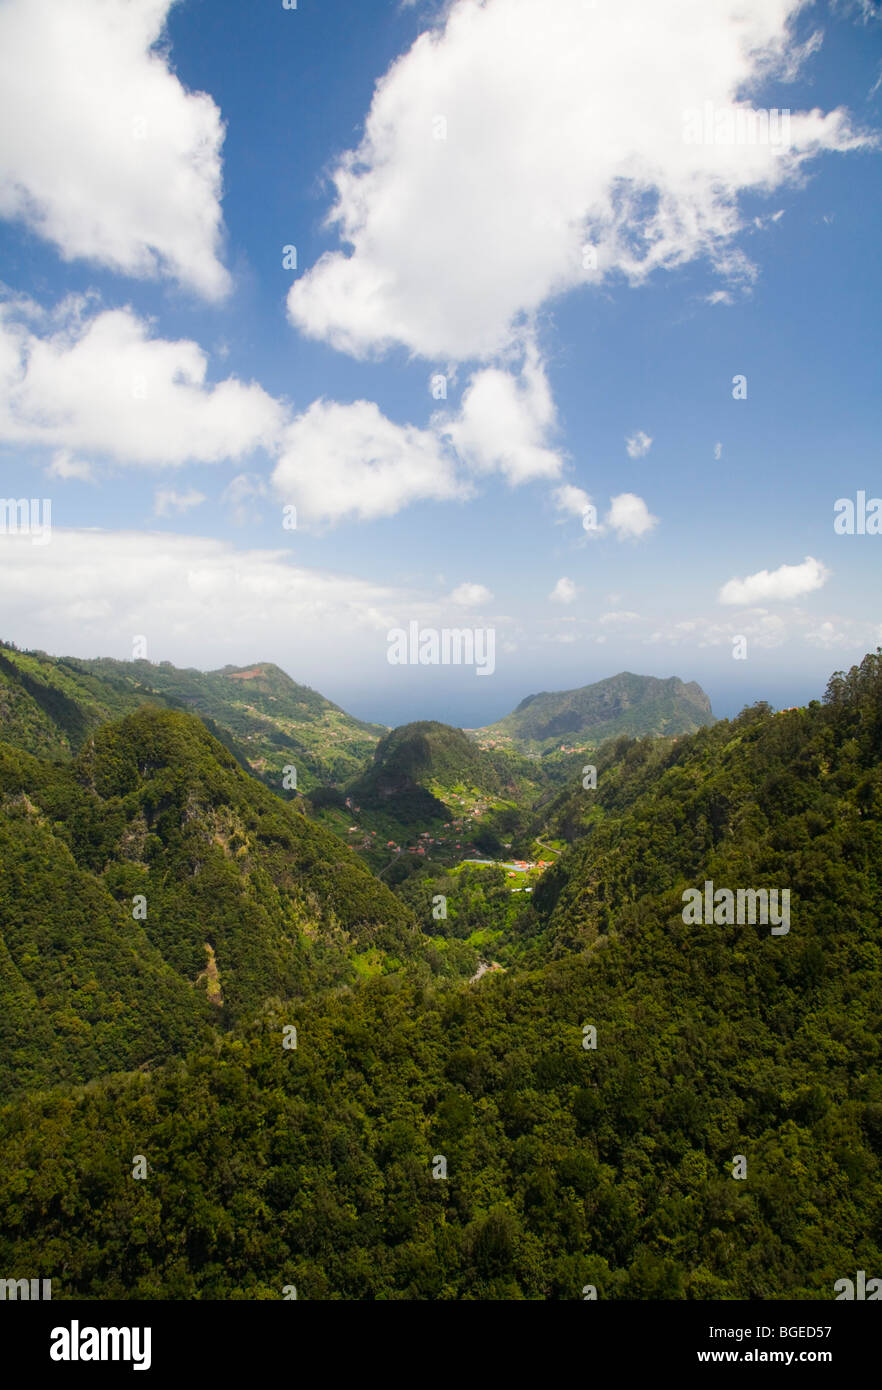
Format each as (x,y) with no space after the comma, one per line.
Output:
(170,386)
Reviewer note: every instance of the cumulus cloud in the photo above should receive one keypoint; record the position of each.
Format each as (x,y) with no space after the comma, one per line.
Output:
(638,445)
(504,422)
(77,379)
(166,501)
(102,151)
(350,461)
(564,591)
(470,595)
(81,379)
(573,500)
(785,583)
(548,169)
(629,517)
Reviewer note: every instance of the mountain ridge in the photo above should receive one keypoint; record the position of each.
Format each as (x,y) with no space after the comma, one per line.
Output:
(266,719)
(638,706)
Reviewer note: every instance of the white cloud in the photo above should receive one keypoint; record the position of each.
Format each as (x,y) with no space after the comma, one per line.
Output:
(618,618)
(825,635)
(767,631)
(573,500)
(638,445)
(470,595)
(65,466)
(102,150)
(718,450)
(629,517)
(564,591)
(198,601)
(98,382)
(166,500)
(764,630)
(80,379)
(351,461)
(844,632)
(565,127)
(781,585)
(504,422)
(83,379)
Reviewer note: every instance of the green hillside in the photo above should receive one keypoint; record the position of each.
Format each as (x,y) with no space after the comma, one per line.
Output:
(49,705)
(237,889)
(430,778)
(566,1164)
(426,755)
(583,718)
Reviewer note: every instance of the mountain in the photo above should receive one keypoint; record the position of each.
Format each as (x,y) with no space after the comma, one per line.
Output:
(425,754)
(625,704)
(273,719)
(151,888)
(430,776)
(49,705)
(717,1136)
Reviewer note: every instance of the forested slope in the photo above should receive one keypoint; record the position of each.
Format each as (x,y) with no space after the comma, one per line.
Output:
(147,861)
(566,1165)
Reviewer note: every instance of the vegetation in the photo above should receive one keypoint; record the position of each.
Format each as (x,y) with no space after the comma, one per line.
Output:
(429,776)
(124,869)
(566,1165)
(623,704)
(266,720)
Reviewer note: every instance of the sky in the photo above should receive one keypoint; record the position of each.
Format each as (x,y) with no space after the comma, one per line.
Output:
(552,322)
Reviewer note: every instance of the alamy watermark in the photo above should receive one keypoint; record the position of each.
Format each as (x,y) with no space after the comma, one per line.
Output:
(75,1343)
(451,646)
(861,1289)
(20,517)
(736,125)
(723,908)
(28,1290)
(858,518)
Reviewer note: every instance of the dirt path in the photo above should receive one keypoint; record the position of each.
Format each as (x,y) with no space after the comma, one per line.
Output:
(485,968)
(396,855)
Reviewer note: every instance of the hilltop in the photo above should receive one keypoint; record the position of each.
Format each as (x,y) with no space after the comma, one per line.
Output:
(588,716)
(50,705)
(429,779)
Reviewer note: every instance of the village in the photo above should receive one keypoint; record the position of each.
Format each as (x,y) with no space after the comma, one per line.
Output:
(360,837)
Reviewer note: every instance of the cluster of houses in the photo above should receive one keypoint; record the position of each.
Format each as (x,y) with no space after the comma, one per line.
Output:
(521,866)
(426,838)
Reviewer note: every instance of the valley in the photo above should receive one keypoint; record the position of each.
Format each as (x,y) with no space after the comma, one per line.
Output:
(483,959)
